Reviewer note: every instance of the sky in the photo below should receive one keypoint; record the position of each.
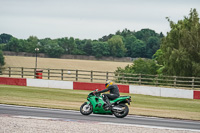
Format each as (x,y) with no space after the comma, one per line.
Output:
(88,19)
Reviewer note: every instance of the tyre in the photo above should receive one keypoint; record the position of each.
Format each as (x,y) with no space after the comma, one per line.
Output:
(86,109)
(121,114)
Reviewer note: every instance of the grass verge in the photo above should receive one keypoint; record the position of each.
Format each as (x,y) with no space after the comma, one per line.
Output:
(72,99)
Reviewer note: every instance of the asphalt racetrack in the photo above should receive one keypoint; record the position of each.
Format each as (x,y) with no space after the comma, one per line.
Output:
(70,115)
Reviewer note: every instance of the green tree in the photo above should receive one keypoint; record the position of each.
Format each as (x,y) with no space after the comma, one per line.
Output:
(125,33)
(5,38)
(53,49)
(100,49)
(117,46)
(181,47)
(68,44)
(139,49)
(14,45)
(153,44)
(106,38)
(88,47)
(157,56)
(129,44)
(44,44)
(1,59)
(145,66)
(144,34)
(140,66)
(32,43)
(133,42)
(79,44)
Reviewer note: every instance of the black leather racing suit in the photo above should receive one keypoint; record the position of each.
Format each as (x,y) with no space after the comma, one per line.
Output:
(114,93)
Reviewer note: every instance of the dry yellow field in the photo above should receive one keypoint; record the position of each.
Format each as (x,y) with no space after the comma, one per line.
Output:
(55,63)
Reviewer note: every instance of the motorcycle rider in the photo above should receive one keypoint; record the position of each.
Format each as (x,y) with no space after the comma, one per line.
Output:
(114,93)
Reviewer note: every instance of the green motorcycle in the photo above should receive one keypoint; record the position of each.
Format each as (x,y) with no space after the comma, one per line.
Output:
(96,105)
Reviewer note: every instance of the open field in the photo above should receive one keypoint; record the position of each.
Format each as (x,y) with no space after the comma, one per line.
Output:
(72,99)
(55,63)
(89,71)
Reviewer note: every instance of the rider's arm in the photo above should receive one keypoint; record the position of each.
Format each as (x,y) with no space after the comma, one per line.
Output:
(105,90)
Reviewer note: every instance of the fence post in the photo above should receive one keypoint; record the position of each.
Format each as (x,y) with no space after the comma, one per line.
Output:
(9,71)
(22,72)
(48,73)
(76,75)
(116,77)
(123,78)
(34,72)
(175,81)
(156,80)
(193,83)
(140,79)
(61,74)
(91,76)
(106,75)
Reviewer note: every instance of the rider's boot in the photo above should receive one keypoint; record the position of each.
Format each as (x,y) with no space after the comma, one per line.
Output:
(108,105)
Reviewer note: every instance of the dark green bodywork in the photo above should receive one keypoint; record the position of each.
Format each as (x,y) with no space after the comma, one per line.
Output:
(98,103)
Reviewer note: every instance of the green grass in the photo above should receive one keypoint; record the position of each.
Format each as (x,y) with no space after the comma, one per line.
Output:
(167,103)
(72,99)
(56,63)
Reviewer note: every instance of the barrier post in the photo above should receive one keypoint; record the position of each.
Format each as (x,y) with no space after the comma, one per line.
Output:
(39,74)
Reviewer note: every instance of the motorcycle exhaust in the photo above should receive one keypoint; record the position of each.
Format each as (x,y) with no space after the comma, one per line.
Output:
(117,109)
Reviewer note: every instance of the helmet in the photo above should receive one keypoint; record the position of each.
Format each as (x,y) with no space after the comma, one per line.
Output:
(108,83)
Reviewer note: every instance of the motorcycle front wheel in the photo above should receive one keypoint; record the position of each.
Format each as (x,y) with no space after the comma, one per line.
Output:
(86,109)
(121,114)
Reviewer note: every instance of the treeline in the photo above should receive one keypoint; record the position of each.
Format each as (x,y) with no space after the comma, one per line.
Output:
(126,43)
(179,54)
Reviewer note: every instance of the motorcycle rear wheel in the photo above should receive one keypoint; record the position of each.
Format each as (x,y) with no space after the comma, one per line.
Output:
(123,113)
(86,109)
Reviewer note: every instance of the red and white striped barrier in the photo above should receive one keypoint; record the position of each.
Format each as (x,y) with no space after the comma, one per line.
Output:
(13,81)
(50,83)
(99,86)
(135,89)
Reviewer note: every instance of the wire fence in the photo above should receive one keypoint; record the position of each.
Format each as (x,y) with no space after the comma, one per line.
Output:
(102,76)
